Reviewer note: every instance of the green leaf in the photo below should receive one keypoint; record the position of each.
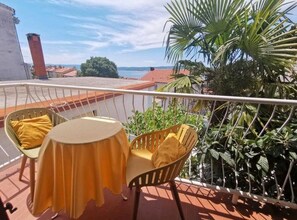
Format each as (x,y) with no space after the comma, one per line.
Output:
(293,155)
(263,163)
(215,154)
(227,158)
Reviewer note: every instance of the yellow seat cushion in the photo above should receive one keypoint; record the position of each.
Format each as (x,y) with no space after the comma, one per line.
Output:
(31,131)
(139,161)
(168,151)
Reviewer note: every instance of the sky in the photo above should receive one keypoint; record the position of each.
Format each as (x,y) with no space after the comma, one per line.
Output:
(127,32)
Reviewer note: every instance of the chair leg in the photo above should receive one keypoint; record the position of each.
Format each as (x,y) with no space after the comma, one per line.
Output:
(176,197)
(32,177)
(136,202)
(24,160)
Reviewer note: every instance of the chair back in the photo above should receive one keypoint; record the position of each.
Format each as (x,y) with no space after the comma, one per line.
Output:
(186,135)
(28,113)
(152,140)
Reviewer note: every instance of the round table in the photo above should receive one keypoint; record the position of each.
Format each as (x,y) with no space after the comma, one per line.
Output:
(77,160)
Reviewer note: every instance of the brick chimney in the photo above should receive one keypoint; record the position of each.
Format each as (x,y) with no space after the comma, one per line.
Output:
(37,55)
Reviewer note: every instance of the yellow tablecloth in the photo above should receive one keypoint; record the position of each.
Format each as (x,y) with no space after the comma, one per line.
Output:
(77,160)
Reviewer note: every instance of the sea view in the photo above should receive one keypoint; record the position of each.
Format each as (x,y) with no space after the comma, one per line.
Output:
(137,72)
(126,72)
(132,73)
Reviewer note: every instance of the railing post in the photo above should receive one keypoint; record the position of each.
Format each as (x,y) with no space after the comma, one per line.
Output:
(28,93)
(235,198)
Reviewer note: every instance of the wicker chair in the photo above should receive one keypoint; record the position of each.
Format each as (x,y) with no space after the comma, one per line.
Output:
(140,170)
(33,152)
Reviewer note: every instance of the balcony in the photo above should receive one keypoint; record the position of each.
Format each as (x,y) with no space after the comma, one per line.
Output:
(209,189)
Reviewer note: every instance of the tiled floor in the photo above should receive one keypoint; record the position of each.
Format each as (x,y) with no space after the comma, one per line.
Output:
(155,203)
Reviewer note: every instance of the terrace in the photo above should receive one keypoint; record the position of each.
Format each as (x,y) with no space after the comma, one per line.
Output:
(208,189)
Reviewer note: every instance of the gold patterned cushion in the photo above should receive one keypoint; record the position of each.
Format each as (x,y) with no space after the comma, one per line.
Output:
(31,131)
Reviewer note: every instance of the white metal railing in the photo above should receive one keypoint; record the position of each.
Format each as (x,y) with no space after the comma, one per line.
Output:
(227,126)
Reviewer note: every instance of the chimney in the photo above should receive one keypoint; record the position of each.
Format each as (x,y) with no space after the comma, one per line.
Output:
(37,55)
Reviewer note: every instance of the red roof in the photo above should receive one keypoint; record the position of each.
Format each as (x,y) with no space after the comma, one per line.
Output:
(63,70)
(161,75)
(50,69)
(70,74)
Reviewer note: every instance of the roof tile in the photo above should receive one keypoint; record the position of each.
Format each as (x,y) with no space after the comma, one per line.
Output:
(161,75)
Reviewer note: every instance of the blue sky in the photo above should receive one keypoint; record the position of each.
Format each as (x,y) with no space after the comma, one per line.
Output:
(127,32)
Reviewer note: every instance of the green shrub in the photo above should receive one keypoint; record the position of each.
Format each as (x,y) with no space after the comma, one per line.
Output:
(156,118)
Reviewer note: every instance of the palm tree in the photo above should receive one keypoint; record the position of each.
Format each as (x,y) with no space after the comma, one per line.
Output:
(229,33)
(192,83)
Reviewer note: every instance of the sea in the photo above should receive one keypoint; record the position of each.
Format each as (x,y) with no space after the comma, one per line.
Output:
(137,74)
(127,72)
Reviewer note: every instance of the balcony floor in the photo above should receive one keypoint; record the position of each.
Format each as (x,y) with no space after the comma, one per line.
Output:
(155,203)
